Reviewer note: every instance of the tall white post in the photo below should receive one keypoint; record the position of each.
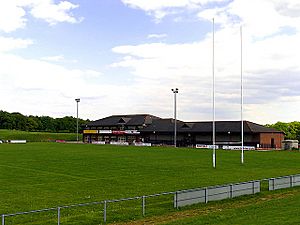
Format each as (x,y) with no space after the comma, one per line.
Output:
(214,111)
(77,101)
(175,91)
(242,98)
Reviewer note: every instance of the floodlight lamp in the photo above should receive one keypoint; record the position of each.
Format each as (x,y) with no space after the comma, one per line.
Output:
(174,90)
(77,99)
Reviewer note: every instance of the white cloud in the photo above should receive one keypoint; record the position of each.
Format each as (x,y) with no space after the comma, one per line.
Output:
(271,37)
(9,44)
(13,13)
(54,13)
(163,4)
(271,65)
(158,60)
(289,8)
(11,16)
(158,36)
(160,9)
(56,58)
(35,74)
(32,86)
(261,18)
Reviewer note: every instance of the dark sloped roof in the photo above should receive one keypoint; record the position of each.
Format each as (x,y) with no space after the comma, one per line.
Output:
(154,123)
(221,126)
(129,120)
(256,128)
(123,120)
(167,125)
(163,125)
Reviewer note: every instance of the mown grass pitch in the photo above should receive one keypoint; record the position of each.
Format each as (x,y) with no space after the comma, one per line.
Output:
(276,208)
(36,136)
(43,175)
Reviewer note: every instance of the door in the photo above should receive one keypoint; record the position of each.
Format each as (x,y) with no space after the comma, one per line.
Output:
(272,143)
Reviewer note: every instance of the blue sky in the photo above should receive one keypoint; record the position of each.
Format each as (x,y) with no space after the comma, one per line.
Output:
(124,56)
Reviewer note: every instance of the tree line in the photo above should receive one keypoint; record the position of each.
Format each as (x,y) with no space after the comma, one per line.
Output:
(291,129)
(17,121)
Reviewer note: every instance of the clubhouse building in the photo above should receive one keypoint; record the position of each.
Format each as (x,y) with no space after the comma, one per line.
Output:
(148,129)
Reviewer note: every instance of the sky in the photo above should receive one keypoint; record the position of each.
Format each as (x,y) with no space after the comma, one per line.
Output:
(125,56)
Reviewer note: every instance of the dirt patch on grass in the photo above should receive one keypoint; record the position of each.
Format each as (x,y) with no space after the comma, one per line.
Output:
(214,207)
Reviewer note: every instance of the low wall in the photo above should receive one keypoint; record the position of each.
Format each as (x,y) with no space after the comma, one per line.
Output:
(215,193)
(284,182)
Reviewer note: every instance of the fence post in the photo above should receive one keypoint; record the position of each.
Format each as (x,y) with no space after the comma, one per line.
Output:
(271,184)
(253,187)
(104,212)
(231,189)
(143,205)
(291,181)
(206,195)
(176,200)
(58,215)
(3,219)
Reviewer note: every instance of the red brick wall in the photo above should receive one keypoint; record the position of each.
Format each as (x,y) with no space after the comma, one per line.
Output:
(265,139)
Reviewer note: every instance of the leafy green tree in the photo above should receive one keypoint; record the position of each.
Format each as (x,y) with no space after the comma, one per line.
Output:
(291,130)
(48,124)
(32,124)
(18,121)
(66,123)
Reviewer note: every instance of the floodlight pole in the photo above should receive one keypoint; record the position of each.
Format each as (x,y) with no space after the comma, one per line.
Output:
(242,99)
(214,111)
(175,91)
(77,101)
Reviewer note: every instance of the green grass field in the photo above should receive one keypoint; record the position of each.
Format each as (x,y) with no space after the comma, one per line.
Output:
(43,175)
(268,208)
(36,136)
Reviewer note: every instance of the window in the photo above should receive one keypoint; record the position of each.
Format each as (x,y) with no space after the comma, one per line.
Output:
(121,139)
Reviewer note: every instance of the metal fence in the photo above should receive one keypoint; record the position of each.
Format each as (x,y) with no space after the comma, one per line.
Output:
(163,201)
